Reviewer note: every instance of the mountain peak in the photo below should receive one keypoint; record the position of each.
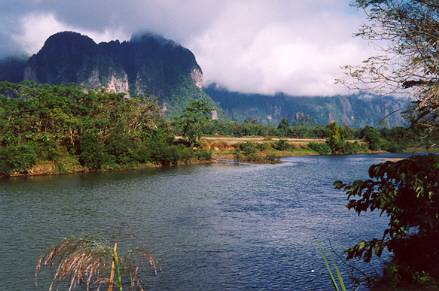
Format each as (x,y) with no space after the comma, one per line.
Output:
(148,64)
(148,37)
(69,38)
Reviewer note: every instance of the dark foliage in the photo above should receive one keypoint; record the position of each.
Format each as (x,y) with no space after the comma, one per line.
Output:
(407,192)
(281,145)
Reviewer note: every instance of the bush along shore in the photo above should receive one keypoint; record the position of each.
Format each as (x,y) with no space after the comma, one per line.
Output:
(59,129)
(62,129)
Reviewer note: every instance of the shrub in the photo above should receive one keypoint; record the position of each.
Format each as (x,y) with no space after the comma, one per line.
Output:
(281,145)
(272,159)
(141,152)
(250,157)
(237,155)
(406,191)
(393,147)
(248,148)
(182,153)
(203,155)
(68,164)
(161,152)
(321,148)
(354,147)
(263,146)
(19,158)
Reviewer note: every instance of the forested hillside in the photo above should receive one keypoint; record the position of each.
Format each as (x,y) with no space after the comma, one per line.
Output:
(354,111)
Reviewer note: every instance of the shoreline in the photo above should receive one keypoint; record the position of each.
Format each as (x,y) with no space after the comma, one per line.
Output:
(217,158)
(52,170)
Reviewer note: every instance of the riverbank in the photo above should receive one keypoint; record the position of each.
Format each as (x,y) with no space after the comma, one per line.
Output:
(52,168)
(271,149)
(221,148)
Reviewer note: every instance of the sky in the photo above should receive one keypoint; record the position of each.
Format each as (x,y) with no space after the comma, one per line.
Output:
(256,46)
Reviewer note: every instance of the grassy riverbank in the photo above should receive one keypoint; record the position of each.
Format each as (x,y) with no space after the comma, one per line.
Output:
(268,149)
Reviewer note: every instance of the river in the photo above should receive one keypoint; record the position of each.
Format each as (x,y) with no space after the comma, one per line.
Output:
(212,227)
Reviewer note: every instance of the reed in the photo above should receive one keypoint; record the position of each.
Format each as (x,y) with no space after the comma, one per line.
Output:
(94,263)
(337,281)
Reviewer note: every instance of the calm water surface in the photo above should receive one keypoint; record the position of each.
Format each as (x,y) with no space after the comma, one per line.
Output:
(219,227)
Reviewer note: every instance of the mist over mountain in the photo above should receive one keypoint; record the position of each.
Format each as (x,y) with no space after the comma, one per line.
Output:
(150,65)
(354,110)
(146,65)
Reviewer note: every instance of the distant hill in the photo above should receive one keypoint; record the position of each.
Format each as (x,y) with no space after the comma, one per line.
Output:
(12,69)
(355,110)
(146,65)
(150,65)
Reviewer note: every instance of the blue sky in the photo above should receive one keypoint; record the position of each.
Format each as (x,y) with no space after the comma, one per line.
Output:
(291,46)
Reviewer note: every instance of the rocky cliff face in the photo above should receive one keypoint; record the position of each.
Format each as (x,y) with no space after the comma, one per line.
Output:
(354,110)
(147,65)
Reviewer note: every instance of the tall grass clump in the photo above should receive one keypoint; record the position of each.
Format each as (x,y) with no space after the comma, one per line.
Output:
(93,263)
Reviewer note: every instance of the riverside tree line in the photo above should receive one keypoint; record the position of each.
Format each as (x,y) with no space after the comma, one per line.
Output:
(80,129)
(88,130)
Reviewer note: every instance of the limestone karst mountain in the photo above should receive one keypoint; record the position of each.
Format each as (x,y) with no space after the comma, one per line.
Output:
(146,65)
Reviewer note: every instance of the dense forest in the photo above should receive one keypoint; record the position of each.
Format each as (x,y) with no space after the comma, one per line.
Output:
(73,129)
(67,128)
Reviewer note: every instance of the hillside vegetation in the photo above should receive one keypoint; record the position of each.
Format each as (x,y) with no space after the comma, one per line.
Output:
(354,110)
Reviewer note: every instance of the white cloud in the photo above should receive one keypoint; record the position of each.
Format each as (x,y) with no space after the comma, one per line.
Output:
(265,51)
(37,27)
(296,47)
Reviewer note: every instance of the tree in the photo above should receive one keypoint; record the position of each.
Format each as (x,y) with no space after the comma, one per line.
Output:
(372,136)
(92,151)
(283,127)
(408,190)
(17,158)
(194,120)
(336,138)
(55,123)
(408,32)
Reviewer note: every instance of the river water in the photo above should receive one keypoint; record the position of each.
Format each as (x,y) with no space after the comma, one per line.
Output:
(215,227)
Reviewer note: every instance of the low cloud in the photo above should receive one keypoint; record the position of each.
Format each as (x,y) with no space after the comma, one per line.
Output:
(296,47)
(37,27)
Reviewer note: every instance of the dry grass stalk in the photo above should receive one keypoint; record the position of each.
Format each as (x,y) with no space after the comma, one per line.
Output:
(92,263)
